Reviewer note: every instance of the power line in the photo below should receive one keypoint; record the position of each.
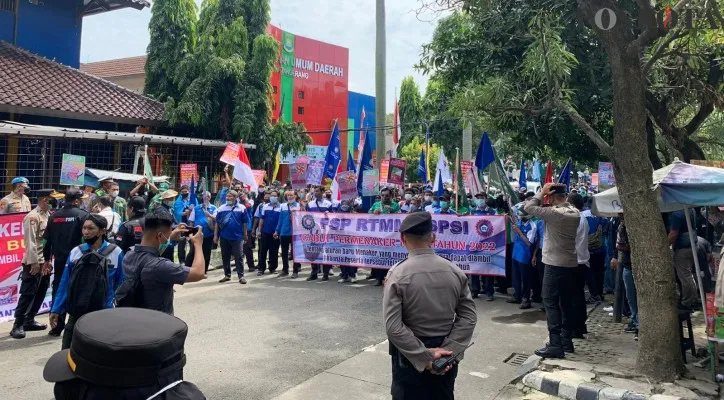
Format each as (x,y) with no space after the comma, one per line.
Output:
(391,126)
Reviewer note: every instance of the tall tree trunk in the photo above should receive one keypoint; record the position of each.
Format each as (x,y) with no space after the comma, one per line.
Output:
(658,355)
(651,144)
(380,80)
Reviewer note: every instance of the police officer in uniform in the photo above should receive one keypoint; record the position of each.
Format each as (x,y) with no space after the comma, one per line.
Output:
(131,232)
(63,233)
(428,314)
(16,201)
(34,283)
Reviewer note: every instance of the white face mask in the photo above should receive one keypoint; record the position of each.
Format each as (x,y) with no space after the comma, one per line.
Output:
(428,198)
(114,193)
(408,197)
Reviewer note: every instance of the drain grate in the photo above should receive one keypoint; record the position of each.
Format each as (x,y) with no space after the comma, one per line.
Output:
(516,359)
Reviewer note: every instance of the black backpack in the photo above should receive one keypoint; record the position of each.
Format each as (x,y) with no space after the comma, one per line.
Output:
(88,287)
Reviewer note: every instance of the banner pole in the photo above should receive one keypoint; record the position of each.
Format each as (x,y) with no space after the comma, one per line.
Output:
(457,184)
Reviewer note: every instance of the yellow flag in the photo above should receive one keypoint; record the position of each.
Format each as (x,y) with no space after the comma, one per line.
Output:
(277,159)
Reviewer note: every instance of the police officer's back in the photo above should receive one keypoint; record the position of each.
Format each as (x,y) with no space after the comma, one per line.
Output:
(429,313)
(65,227)
(131,232)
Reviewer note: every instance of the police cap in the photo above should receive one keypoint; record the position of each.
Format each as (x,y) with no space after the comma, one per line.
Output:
(45,193)
(73,194)
(121,347)
(417,224)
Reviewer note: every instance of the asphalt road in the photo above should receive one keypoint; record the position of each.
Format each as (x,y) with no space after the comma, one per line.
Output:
(291,339)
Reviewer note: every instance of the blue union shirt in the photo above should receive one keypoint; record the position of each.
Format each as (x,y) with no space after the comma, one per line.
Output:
(270,216)
(231,220)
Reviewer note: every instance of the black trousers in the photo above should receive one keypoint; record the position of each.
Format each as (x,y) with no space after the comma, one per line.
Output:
(206,247)
(379,274)
(268,246)
(231,248)
(286,243)
(348,272)
(538,271)
(58,268)
(408,384)
(68,334)
(249,252)
(32,294)
(558,284)
(578,301)
(482,284)
(505,283)
(181,245)
(596,274)
(168,254)
(325,270)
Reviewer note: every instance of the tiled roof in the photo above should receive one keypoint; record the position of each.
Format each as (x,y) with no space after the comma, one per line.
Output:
(115,68)
(30,84)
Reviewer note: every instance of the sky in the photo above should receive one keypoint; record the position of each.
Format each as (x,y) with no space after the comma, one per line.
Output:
(347,23)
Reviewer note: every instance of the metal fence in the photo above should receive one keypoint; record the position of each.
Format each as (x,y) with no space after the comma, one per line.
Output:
(40,158)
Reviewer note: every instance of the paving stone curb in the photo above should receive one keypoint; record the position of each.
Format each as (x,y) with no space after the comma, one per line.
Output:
(570,389)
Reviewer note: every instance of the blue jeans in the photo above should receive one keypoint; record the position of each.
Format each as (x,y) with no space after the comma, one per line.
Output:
(628,282)
(522,280)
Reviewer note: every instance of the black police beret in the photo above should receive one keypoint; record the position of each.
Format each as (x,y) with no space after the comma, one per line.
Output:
(121,347)
(45,193)
(419,223)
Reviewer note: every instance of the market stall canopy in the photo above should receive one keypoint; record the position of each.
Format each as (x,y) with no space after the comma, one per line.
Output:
(93,176)
(677,186)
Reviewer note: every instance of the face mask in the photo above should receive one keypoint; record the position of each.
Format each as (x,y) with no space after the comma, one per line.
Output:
(345,208)
(413,208)
(164,246)
(184,195)
(168,204)
(479,202)
(444,204)
(408,197)
(291,201)
(428,198)
(230,202)
(329,196)
(261,190)
(114,193)
(435,203)
(92,240)
(273,199)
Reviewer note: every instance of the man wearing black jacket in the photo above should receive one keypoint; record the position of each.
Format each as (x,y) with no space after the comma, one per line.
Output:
(63,233)
(131,232)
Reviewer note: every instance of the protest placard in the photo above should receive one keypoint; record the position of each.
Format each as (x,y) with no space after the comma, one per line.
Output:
(347,183)
(594,179)
(11,257)
(72,171)
(231,153)
(315,171)
(298,172)
(188,171)
(475,244)
(318,153)
(605,174)
(302,160)
(396,174)
(259,175)
(384,171)
(370,182)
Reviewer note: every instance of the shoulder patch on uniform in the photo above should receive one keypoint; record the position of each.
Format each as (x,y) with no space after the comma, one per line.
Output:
(3,203)
(33,220)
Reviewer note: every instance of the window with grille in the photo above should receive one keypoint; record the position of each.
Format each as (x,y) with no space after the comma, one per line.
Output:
(7,5)
(300,110)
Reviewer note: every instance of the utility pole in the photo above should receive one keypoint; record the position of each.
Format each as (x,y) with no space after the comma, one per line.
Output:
(380,81)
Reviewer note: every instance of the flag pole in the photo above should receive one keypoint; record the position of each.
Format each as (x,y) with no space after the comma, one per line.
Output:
(456,186)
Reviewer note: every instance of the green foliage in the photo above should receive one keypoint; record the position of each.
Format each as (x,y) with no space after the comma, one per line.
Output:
(226,81)
(173,36)
(411,153)
(410,104)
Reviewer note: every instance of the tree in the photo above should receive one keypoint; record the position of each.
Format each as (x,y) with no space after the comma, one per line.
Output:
(540,85)
(173,36)
(380,78)
(226,81)
(411,153)
(410,109)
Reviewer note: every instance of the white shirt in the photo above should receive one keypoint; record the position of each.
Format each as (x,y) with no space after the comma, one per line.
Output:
(582,241)
(113,219)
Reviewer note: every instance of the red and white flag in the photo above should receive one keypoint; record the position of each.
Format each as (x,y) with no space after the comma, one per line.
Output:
(242,170)
(361,145)
(396,133)
(336,195)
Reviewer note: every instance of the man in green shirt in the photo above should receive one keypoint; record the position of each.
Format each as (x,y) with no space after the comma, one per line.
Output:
(156,200)
(385,205)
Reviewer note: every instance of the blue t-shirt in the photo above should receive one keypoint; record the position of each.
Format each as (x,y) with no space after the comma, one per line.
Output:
(198,217)
(523,253)
(484,211)
(323,205)
(270,216)
(677,221)
(539,233)
(284,226)
(440,211)
(231,221)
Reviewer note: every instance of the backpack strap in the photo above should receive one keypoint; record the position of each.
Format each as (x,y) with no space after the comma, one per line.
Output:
(108,250)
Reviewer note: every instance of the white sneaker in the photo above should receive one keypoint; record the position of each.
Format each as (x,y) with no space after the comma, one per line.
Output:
(343,280)
(352,280)
(608,309)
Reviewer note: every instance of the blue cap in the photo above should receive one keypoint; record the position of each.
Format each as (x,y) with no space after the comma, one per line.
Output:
(20,179)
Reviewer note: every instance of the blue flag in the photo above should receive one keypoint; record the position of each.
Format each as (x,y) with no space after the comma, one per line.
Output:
(565,176)
(522,181)
(422,167)
(536,171)
(350,162)
(333,154)
(365,163)
(440,186)
(485,155)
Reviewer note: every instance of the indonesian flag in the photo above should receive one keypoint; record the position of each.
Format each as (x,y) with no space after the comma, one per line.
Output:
(336,195)
(361,145)
(396,133)
(242,170)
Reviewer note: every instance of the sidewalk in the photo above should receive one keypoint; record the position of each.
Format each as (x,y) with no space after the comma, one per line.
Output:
(603,367)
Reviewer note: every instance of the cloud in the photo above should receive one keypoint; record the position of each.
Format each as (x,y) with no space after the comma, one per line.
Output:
(347,23)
